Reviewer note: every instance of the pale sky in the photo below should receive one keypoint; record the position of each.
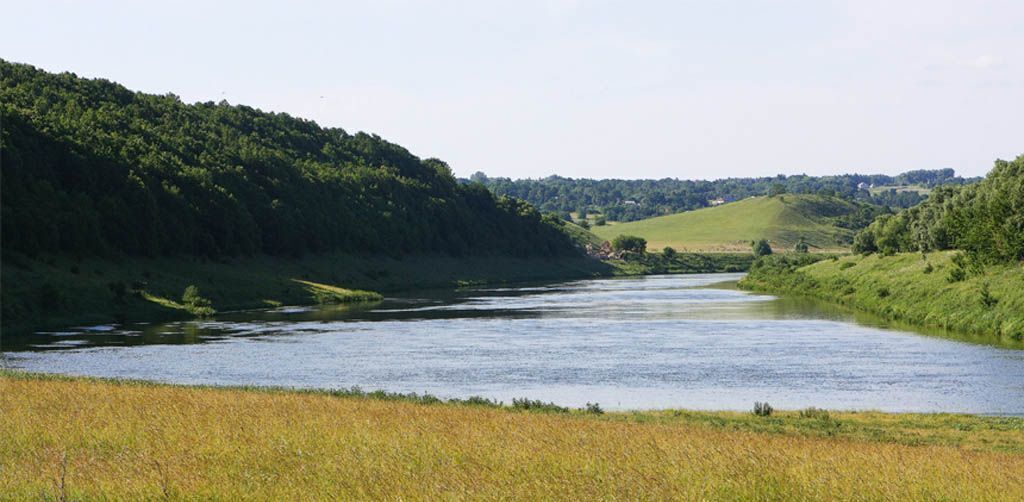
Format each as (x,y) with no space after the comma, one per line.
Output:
(700,89)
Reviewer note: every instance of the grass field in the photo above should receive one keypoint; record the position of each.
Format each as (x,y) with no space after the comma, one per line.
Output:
(59,291)
(911,288)
(80,439)
(783,220)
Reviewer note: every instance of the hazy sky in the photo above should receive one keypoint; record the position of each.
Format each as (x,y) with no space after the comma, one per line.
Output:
(699,89)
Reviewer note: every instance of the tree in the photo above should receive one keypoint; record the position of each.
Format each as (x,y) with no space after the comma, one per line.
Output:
(669,253)
(801,247)
(630,244)
(762,248)
(776,189)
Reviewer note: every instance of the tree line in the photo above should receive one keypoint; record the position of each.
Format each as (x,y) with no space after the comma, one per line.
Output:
(629,200)
(986,219)
(92,168)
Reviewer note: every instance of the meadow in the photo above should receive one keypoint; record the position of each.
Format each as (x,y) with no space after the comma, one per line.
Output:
(782,220)
(914,288)
(76,438)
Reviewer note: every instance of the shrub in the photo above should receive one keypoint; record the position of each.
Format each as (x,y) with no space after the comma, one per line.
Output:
(956,274)
(928,268)
(801,247)
(987,300)
(883,292)
(595,409)
(537,405)
(600,221)
(815,413)
(630,244)
(846,264)
(195,303)
(669,252)
(761,248)
(763,409)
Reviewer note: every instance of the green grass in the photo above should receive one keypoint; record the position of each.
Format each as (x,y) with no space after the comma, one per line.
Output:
(60,291)
(909,288)
(782,220)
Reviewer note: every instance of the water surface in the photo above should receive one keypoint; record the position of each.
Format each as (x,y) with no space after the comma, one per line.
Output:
(680,341)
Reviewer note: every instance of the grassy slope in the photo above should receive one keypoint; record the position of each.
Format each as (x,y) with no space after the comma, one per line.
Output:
(82,293)
(91,439)
(783,220)
(897,288)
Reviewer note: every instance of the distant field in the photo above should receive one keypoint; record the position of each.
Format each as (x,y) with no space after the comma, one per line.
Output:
(783,220)
(85,439)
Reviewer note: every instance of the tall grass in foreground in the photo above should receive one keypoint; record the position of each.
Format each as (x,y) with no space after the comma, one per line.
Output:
(87,439)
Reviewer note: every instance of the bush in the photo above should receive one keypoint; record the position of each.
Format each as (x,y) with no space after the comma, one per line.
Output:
(630,244)
(595,409)
(928,268)
(669,253)
(987,300)
(761,248)
(763,409)
(195,303)
(815,413)
(600,221)
(537,405)
(883,292)
(801,247)
(846,264)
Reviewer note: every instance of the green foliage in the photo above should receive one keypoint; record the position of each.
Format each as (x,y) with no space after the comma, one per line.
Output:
(594,409)
(630,244)
(195,303)
(761,248)
(669,253)
(987,300)
(801,247)
(985,219)
(537,405)
(763,409)
(600,221)
(93,168)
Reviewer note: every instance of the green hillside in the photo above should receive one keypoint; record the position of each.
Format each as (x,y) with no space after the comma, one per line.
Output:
(825,223)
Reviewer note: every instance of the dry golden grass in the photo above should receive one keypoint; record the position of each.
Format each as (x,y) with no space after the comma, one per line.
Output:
(128,441)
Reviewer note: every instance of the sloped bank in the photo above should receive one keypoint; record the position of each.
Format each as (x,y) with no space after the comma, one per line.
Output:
(923,290)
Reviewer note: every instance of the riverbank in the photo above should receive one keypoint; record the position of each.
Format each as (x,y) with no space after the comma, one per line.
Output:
(920,290)
(86,438)
(59,291)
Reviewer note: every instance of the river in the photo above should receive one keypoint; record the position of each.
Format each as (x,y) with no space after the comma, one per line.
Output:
(673,341)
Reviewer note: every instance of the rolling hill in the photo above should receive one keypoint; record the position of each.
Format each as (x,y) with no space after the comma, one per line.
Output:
(825,223)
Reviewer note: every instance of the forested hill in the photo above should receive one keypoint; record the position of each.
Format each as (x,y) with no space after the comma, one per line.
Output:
(92,168)
(629,200)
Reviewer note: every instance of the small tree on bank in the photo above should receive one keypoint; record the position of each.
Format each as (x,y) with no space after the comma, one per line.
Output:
(762,248)
(630,244)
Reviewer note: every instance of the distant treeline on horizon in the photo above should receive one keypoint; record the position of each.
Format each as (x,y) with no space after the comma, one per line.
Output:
(629,200)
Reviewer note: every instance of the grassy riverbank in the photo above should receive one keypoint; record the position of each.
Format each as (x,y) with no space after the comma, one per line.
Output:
(59,291)
(85,438)
(912,288)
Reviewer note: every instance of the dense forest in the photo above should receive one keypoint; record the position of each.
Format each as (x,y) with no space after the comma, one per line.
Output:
(986,219)
(91,168)
(629,200)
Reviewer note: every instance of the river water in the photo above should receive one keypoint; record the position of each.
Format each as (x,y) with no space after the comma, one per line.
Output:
(674,341)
